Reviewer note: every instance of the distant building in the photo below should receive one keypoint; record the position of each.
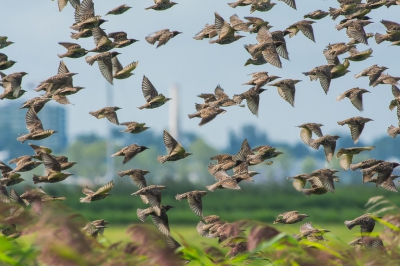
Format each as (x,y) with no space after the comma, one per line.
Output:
(12,124)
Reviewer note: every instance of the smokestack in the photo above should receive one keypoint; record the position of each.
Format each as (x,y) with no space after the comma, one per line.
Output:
(174,112)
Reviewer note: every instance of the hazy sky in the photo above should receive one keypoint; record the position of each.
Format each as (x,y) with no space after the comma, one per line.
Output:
(197,66)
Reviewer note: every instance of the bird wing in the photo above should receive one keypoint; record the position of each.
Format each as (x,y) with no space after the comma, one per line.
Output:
(149,91)
(62,68)
(170,143)
(131,66)
(116,65)
(287,94)
(356,100)
(164,38)
(307,30)
(99,36)
(345,161)
(299,184)
(112,117)
(306,227)
(355,131)
(220,94)
(104,189)
(252,104)
(105,66)
(244,151)
(86,10)
(329,149)
(196,205)
(223,28)
(50,163)
(325,81)
(161,223)
(357,32)
(271,56)
(68,45)
(33,123)
(290,3)
(264,35)
(208,118)
(4,195)
(221,175)
(305,135)
(229,183)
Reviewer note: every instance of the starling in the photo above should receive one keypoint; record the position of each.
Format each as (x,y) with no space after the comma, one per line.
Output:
(390,3)
(35,128)
(60,95)
(323,73)
(257,58)
(228,183)
(4,42)
(383,169)
(286,89)
(8,94)
(364,164)
(259,79)
(21,159)
(134,127)
(392,36)
(175,151)
(85,17)
(137,175)
(129,152)
(307,130)
(123,72)
(325,180)
(305,26)
(100,194)
(257,23)
(25,165)
(240,3)
(118,10)
(355,96)
(153,195)
(261,5)
(36,103)
(53,171)
(10,231)
(353,41)
(63,160)
(346,155)
(194,199)
(393,131)
(225,162)
(332,51)
(62,79)
(151,95)
(280,44)
(373,72)
(355,29)
(85,33)
(160,221)
(95,228)
(390,25)
(161,5)
(121,39)
(101,40)
(74,50)
(252,97)
(9,178)
(329,143)
(317,14)
(35,197)
(162,36)
(299,181)
(105,63)
(366,223)
(217,99)
(209,31)
(12,82)
(39,150)
(107,112)
(307,231)
(291,217)
(355,55)
(207,114)
(5,63)
(237,24)
(340,70)
(386,79)
(388,184)
(257,156)
(356,125)
(226,33)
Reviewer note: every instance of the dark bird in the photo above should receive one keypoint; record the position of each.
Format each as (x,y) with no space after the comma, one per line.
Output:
(387,184)
(366,223)
(129,152)
(323,73)
(291,217)
(261,5)
(194,199)
(346,155)
(240,3)
(62,80)
(123,72)
(134,127)
(35,198)
(278,37)
(340,69)
(39,150)
(355,29)
(217,99)
(53,172)
(121,39)
(101,40)
(74,50)
(386,79)
(25,164)
(259,79)
(286,89)
(12,83)
(226,33)
(237,24)
(207,114)
(37,103)
(175,151)
(355,97)
(383,169)
(373,72)
(137,176)
(84,33)
(252,97)
(356,125)
(291,3)
(329,143)
(160,221)
(162,36)
(317,14)
(355,55)
(60,95)
(227,182)
(365,164)
(5,63)
(209,31)
(104,61)
(225,162)
(392,36)
(85,17)
(256,24)
(9,178)
(4,42)
(100,194)
(160,5)
(151,95)
(332,51)
(95,228)
(118,10)
(305,26)
(153,195)
(307,129)
(107,112)
(307,231)
(35,128)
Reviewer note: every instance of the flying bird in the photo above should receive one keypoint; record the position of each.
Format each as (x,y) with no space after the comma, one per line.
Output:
(100,194)
(175,151)
(151,95)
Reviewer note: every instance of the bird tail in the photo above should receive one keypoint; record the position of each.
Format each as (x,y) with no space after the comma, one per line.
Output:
(162,159)
(307,192)
(212,41)
(75,35)
(297,237)
(277,221)
(36,179)
(116,154)
(142,215)
(392,131)
(379,38)
(85,200)
(192,115)
(335,13)
(358,75)
(23,138)
(93,114)
(151,39)
(234,5)
(198,37)
(349,224)
(213,187)
(340,123)
(200,230)
(313,144)
(354,166)
(61,55)
(141,107)
(2,75)
(121,174)
(90,60)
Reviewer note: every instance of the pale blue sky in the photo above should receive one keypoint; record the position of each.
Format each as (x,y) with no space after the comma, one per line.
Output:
(197,66)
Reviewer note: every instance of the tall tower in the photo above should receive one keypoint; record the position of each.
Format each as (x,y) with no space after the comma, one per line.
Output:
(110,142)
(174,129)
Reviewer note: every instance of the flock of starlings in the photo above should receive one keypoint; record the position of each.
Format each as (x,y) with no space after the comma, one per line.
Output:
(270,47)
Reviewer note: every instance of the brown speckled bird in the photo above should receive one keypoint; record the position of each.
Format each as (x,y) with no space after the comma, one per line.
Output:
(393,131)
(252,97)
(356,125)
(5,63)
(151,95)
(162,36)
(153,195)
(3,42)
(383,169)
(74,50)
(259,79)
(286,89)
(194,199)
(329,143)
(107,112)
(101,40)
(104,61)
(12,83)
(346,155)
(224,181)
(307,231)
(100,194)
(364,164)
(317,14)
(129,152)
(37,103)
(35,128)
(240,3)
(299,181)
(53,171)
(355,97)
(209,31)
(323,73)
(134,127)
(121,39)
(225,162)
(160,221)
(175,151)
(261,5)
(35,197)
(307,129)
(373,72)
(207,114)
(290,217)
(256,24)
(365,221)
(160,5)
(39,150)
(226,33)
(119,10)
(305,26)
(355,29)
(386,79)
(387,184)
(95,228)
(357,56)
(123,72)
(137,175)
(8,178)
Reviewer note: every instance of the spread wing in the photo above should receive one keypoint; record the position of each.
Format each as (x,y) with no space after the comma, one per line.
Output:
(33,123)
(149,91)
